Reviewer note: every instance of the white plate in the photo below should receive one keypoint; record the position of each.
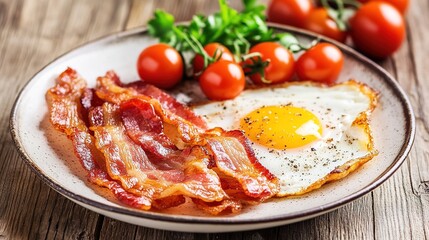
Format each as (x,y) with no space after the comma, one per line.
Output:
(51,156)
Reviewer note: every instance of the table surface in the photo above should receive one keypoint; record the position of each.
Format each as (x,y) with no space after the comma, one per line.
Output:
(32,33)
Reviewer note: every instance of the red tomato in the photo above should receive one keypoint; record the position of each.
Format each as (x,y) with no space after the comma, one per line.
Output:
(281,66)
(319,21)
(290,12)
(210,49)
(401,5)
(160,65)
(321,63)
(377,29)
(222,80)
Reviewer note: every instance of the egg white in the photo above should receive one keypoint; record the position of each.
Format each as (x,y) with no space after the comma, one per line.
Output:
(344,138)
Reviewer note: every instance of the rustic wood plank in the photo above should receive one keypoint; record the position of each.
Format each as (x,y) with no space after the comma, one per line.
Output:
(404,197)
(35,32)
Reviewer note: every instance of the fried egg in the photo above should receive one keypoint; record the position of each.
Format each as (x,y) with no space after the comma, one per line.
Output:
(306,134)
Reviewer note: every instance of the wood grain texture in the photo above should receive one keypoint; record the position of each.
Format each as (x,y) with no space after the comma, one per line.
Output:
(32,33)
(404,197)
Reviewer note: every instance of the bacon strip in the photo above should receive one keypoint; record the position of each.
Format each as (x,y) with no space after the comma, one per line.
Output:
(183,173)
(64,104)
(146,128)
(237,166)
(125,161)
(151,151)
(240,171)
(216,208)
(168,102)
(109,90)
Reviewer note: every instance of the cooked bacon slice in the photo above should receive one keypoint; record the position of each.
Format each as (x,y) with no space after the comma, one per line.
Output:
(147,129)
(88,101)
(239,169)
(168,102)
(126,162)
(151,151)
(64,104)
(215,208)
(183,173)
(184,130)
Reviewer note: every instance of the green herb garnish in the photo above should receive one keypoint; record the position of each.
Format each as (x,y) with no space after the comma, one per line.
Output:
(238,31)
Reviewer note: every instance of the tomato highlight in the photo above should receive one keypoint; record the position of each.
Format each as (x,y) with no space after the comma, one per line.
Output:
(222,80)
(160,65)
(377,29)
(289,12)
(321,63)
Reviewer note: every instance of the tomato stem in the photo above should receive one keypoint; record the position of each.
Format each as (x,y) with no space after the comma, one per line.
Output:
(337,13)
(300,47)
(352,3)
(258,65)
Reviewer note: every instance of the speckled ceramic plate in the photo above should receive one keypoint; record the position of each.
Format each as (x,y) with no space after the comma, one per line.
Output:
(51,157)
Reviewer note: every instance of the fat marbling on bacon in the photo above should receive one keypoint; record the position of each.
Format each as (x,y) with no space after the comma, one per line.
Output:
(152,151)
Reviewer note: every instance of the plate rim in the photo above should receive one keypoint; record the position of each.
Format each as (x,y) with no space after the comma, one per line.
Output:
(397,162)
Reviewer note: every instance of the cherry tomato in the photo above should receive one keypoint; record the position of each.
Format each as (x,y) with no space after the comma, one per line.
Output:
(222,80)
(281,66)
(377,29)
(160,65)
(319,21)
(210,49)
(290,12)
(401,5)
(321,63)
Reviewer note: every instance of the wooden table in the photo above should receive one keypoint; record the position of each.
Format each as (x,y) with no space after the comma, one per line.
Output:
(32,33)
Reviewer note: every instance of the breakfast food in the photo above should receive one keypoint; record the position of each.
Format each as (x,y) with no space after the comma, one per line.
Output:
(151,151)
(270,138)
(304,133)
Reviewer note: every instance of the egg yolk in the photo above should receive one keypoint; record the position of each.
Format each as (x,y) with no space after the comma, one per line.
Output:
(281,127)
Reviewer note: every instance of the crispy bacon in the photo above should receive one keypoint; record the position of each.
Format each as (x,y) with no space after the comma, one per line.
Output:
(160,178)
(216,208)
(147,129)
(240,171)
(64,104)
(109,90)
(151,151)
(126,162)
(168,102)
(88,101)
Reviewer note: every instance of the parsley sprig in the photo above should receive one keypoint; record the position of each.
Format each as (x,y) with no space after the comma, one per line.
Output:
(238,31)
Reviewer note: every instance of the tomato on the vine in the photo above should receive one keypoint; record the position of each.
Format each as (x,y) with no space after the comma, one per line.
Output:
(319,21)
(321,63)
(377,29)
(221,51)
(290,12)
(222,80)
(281,63)
(160,65)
